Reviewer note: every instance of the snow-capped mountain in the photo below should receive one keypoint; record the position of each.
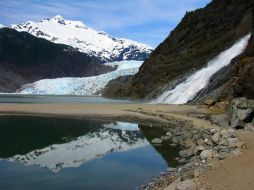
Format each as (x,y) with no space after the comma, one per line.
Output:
(81,86)
(85,39)
(111,138)
(2,26)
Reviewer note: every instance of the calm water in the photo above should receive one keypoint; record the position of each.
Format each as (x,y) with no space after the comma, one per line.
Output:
(50,153)
(55,99)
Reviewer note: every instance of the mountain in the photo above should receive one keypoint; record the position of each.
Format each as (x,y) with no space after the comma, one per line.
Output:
(199,38)
(85,39)
(25,58)
(2,26)
(81,86)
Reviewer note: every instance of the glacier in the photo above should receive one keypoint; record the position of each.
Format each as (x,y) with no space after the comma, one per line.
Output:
(81,86)
(187,90)
(85,39)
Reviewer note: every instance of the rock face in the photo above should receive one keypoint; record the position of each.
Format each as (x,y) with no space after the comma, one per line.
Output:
(25,58)
(200,36)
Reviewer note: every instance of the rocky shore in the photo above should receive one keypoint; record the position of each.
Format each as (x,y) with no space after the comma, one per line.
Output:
(202,148)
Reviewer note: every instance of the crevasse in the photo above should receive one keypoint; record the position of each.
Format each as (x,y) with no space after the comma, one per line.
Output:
(187,90)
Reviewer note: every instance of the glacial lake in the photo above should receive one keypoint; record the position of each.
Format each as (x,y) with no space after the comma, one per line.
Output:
(58,99)
(58,153)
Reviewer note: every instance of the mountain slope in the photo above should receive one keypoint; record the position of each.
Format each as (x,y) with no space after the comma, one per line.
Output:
(200,36)
(25,58)
(85,39)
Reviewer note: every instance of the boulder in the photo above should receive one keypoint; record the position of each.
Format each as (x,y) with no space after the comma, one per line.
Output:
(165,138)
(173,185)
(156,141)
(238,124)
(221,120)
(169,134)
(240,102)
(244,114)
(209,102)
(206,154)
(249,127)
(232,142)
(186,153)
(186,185)
(216,138)
(225,133)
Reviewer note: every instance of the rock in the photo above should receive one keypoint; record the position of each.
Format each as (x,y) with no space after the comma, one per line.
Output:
(188,175)
(216,138)
(238,124)
(209,102)
(249,127)
(156,141)
(196,173)
(245,114)
(206,154)
(169,134)
(232,133)
(232,142)
(220,120)
(237,152)
(173,185)
(165,138)
(186,185)
(198,149)
(240,102)
(208,142)
(225,133)
(223,142)
(186,153)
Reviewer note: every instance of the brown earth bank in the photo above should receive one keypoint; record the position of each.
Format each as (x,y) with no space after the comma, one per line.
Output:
(209,170)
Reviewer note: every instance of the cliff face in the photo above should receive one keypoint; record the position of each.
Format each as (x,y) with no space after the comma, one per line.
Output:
(200,36)
(241,81)
(25,58)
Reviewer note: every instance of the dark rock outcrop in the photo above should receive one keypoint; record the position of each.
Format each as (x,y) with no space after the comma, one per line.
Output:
(25,58)
(200,36)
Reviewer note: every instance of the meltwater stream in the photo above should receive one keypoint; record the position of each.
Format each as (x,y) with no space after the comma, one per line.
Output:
(187,90)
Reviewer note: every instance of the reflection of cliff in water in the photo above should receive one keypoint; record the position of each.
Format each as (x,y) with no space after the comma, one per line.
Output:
(167,152)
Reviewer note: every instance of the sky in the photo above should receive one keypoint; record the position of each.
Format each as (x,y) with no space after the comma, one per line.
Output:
(147,21)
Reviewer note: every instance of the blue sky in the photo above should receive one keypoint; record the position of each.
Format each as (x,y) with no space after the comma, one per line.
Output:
(147,21)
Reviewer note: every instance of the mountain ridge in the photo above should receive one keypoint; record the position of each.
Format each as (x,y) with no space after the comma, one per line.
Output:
(85,39)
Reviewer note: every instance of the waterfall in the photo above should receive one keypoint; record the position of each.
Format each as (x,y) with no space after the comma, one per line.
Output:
(187,90)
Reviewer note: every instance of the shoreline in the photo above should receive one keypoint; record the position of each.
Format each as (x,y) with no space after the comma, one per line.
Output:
(155,115)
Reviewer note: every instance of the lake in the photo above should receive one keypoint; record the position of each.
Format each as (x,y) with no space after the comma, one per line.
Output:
(59,153)
(58,99)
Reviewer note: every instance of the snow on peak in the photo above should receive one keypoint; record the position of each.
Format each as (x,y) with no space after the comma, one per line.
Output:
(2,26)
(85,39)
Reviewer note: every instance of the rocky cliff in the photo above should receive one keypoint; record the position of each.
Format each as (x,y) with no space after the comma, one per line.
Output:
(25,58)
(199,37)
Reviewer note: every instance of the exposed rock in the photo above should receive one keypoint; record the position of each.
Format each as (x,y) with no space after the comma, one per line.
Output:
(238,124)
(221,120)
(206,154)
(245,114)
(173,185)
(165,138)
(249,127)
(216,138)
(209,102)
(186,185)
(156,141)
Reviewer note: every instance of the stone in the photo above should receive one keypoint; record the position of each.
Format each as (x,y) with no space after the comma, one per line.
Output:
(237,152)
(232,142)
(209,102)
(186,185)
(238,124)
(156,141)
(206,154)
(198,149)
(244,114)
(220,120)
(196,173)
(208,142)
(232,133)
(186,153)
(188,175)
(249,127)
(223,142)
(216,138)
(240,102)
(169,134)
(165,138)
(225,133)
(173,185)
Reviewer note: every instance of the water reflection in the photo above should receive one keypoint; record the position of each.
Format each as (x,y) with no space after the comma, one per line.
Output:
(76,149)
